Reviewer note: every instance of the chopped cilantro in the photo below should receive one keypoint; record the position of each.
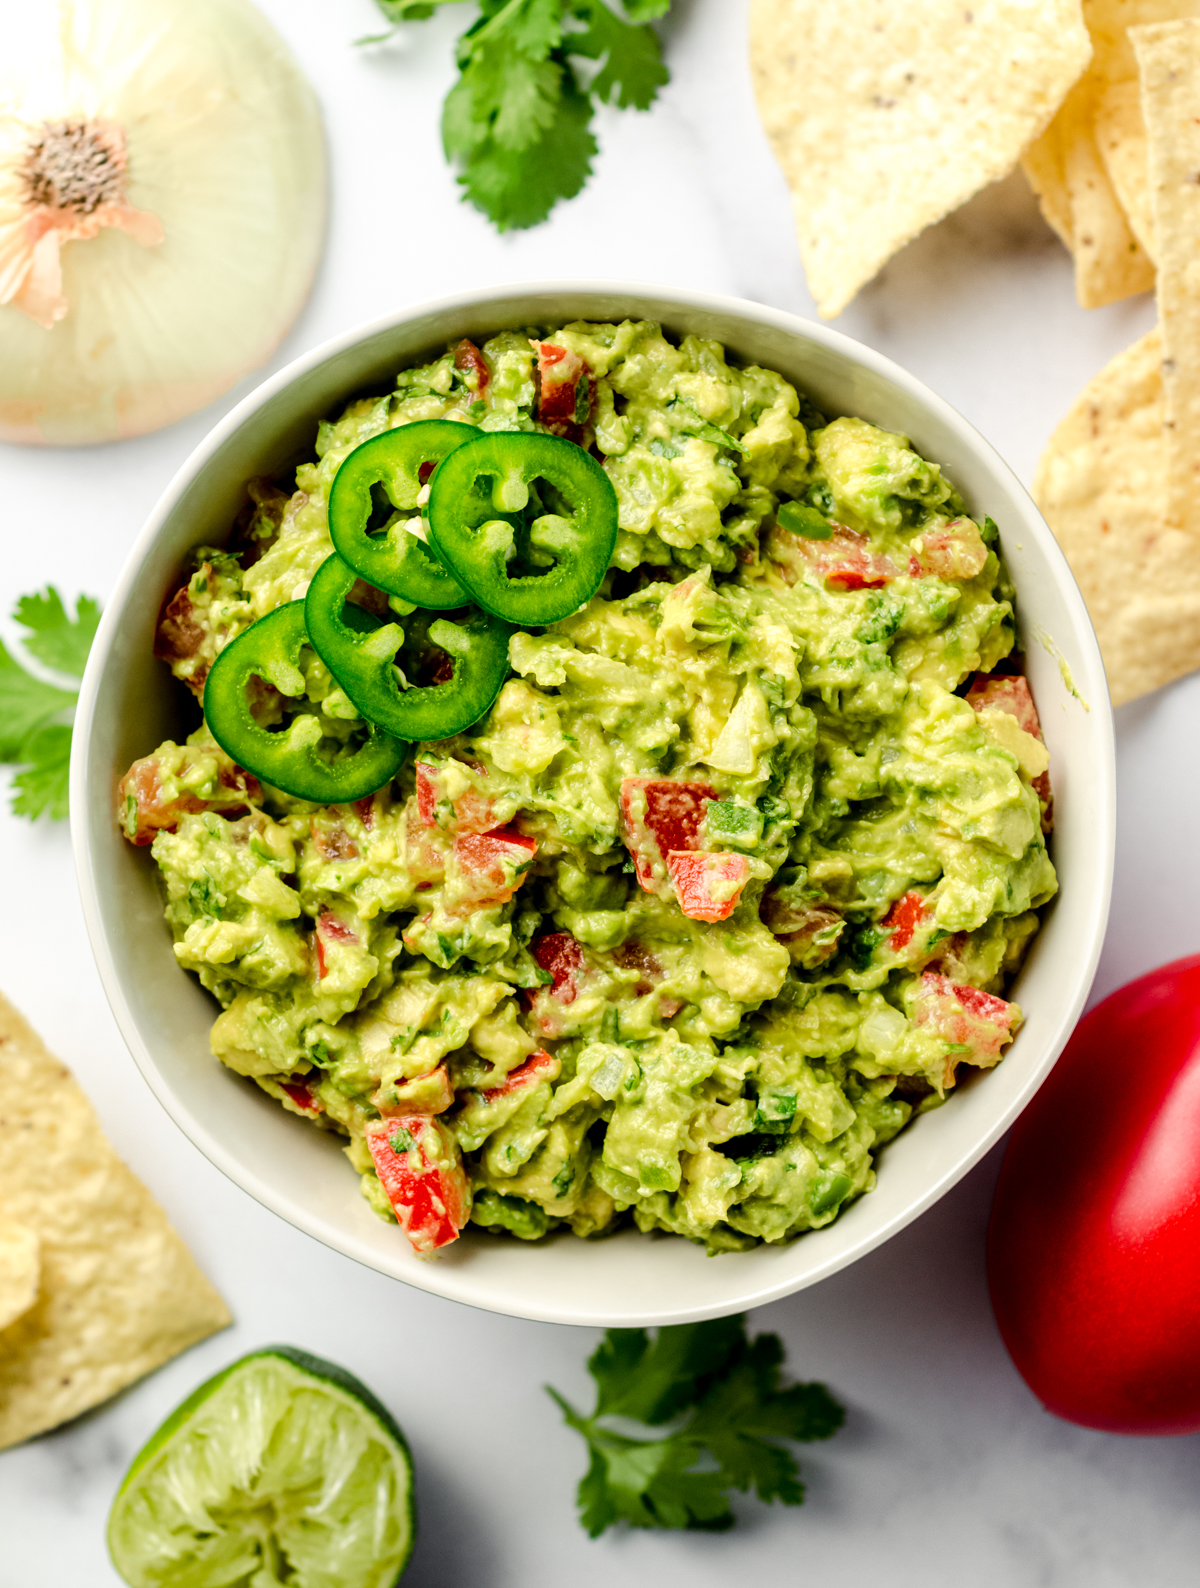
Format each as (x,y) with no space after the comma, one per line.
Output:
(32,733)
(518,120)
(722,1391)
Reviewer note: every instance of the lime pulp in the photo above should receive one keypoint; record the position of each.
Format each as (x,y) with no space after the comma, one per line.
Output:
(281,1470)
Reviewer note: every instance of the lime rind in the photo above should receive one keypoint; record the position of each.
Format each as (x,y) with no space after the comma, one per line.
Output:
(281,1469)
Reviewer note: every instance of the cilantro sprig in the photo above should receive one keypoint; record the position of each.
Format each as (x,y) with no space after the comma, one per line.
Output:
(720,1393)
(518,121)
(33,733)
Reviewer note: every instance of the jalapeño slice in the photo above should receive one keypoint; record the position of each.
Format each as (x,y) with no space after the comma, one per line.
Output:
(527,522)
(398,463)
(289,758)
(363,660)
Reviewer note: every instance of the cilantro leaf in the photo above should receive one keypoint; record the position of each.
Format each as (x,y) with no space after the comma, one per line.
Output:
(60,641)
(518,188)
(29,705)
(518,121)
(26,703)
(727,1391)
(42,786)
(633,70)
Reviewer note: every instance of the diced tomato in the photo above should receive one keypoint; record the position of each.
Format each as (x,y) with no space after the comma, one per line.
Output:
(365,811)
(330,930)
(540,1065)
(420,1167)
(1002,692)
(424,471)
(661,815)
(471,812)
(976,1022)
(145,811)
(843,562)
(496,862)
(708,886)
(955,551)
(430,1093)
(179,637)
(470,360)
(424,851)
(562,958)
(297,1090)
(903,919)
(333,842)
(636,956)
(1010,693)
(564,390)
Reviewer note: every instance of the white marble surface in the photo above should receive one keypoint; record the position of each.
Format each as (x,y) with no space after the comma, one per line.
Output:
(947,1471)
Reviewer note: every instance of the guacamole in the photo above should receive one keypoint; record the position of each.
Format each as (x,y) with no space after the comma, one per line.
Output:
(726,886)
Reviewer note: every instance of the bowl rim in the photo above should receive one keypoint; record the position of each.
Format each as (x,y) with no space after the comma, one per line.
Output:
(443,1280)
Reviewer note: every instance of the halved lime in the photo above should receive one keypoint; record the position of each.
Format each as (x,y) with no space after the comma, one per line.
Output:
(282,1470)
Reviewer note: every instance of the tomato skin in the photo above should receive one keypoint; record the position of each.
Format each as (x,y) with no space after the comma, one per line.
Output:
(1094,1242)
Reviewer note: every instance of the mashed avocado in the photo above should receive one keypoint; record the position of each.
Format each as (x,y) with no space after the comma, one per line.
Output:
(728,883)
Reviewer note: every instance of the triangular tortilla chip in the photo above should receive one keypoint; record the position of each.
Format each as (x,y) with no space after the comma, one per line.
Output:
(886,117)
(20,1268)
(118,1293)
(1101,483)
(1168,56)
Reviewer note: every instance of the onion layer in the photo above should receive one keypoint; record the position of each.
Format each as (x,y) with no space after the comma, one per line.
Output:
(162,210)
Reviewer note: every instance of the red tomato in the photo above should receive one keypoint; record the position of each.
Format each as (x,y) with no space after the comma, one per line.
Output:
(903,919)
(661,814)
(708,886)
(419,1164)
(1094,1245)
(470,360)
(561,957)
(538,1066)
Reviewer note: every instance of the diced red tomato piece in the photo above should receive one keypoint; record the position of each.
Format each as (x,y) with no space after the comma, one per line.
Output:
(564,390)
(330,930)
(903,919)
(471,812)
(470,360)
(562,958)
(661,815)
(843,562)
(540,1065)
(1001,692)
(496,862)
(151,813)
(365,811)
(978,1023)
(955,551)
(297,1090)
(708,886)
(420,1167)
(424,471)
(1010,693)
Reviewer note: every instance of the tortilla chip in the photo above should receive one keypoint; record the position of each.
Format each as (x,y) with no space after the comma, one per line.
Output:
(1045,164)
(1168,56)
(1121,138)
(1110,263)
(1101,484)
(20,1267)
(119,1294)
(886,117)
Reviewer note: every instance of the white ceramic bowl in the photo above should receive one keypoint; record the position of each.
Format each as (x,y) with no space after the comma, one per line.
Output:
(130,703)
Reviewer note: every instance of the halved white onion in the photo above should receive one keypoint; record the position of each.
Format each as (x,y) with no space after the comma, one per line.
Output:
(133,120)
